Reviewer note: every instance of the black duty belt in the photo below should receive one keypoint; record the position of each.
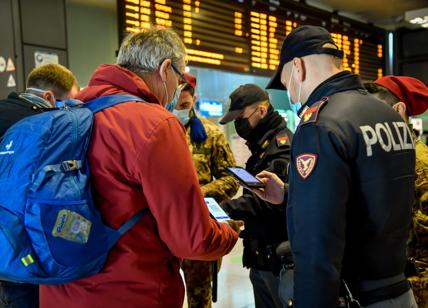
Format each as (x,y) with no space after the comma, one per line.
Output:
(373,291)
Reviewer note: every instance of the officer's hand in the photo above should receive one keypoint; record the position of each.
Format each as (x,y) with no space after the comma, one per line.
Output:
(274,190)
(236,225)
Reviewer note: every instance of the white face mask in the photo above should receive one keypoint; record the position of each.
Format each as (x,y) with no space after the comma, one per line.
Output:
(183,115)
(295,106)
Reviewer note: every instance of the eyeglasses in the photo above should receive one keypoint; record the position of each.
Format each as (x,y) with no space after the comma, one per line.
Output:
(180,74)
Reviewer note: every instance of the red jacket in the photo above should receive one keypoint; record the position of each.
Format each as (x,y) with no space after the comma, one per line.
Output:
(139,158)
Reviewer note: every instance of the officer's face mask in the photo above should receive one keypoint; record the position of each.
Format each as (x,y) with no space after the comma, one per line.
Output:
(182,115)
(295,106)
(243,127)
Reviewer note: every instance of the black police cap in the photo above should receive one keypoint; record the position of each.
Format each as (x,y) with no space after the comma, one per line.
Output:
(245,95)
(303,41)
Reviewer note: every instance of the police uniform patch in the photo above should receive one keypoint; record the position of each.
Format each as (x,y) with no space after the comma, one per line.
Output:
(282,140)
(265,144)
(305,164)
(310,115)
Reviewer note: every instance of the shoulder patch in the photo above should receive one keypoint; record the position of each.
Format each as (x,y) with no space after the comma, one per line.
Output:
(305,164)
(282,140)
(310,115)
(265,144)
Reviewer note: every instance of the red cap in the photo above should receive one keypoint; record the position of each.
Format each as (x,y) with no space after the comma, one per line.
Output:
(190,79)
(409,90)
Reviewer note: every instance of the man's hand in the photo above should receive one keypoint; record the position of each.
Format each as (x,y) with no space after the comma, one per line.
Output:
(235,225)
(274,190)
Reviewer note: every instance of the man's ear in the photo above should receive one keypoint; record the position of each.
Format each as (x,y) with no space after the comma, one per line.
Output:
(164,69)
(263,110)
(50,97)
(401,108)
(300,69)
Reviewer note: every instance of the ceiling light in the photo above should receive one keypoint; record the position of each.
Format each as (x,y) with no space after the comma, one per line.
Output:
(417,17)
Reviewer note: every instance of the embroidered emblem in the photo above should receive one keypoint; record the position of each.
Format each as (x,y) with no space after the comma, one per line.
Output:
(282,140)
(305,164)
(265,144)
(307,116)
(310,115)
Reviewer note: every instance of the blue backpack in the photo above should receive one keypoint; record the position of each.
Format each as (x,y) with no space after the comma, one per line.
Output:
(50,230)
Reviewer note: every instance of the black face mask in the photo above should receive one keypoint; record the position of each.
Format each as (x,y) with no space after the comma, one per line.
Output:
(243,128)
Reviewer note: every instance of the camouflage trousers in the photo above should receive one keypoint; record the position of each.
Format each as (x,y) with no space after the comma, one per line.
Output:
(420,288)
(198,276)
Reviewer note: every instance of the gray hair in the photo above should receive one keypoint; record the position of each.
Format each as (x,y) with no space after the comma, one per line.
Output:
(144,51)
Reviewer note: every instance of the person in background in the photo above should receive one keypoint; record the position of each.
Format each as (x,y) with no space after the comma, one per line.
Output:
(351,182)
(139,159)
(45,85)
(269,141)
(409,97)
(211,155)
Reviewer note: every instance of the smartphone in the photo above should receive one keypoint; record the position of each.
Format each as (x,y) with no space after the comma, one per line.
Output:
(245,177)
(216,210)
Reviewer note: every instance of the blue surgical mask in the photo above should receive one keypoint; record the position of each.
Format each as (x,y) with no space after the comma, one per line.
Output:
(295,106)
(170,106)
(183,115)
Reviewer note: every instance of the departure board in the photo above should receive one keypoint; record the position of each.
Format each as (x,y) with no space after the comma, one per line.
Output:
(246,35)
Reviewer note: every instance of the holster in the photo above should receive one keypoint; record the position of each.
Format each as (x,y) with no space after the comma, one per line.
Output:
(261,256)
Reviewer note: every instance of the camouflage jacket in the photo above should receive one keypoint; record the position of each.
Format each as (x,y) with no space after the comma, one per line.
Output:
(211,159)
(418,245)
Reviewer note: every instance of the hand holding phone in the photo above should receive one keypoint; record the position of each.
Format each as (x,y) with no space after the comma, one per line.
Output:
(245,178)
(220,215)
(216,211)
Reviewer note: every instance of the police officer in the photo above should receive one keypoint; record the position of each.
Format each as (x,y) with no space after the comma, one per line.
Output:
(351,181)
(269,140)
(409,97)
(211,155)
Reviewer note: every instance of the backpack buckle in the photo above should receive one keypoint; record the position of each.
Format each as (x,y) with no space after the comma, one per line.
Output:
(70,165)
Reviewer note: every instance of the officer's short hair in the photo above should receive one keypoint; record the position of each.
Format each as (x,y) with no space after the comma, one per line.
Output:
(144,52)
(53,77)
(383,93)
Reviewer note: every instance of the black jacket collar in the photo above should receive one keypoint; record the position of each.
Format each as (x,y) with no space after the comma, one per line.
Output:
(340,82)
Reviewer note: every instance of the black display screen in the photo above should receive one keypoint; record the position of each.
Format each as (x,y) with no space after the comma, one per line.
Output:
(246,36)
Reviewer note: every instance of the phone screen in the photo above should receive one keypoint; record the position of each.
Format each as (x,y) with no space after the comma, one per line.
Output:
(245,177)
(216,210)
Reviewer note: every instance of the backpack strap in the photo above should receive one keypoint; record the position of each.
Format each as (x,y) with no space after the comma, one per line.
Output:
(130,223)
(104,102)
(126,226)
(95,106)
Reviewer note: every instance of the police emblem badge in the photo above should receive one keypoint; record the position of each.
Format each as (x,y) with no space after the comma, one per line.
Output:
(310,115)
(305,164)
(282,140)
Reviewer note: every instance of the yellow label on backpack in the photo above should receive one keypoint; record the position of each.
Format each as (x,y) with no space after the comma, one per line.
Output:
(72,226)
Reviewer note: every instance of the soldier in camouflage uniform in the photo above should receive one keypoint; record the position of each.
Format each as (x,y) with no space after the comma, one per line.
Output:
(211,155)
(409,97)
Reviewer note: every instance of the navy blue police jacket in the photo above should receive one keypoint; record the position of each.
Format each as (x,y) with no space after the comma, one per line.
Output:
(351,187)
(265,223)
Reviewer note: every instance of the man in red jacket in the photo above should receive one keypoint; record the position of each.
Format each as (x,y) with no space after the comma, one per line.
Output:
(139,158)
